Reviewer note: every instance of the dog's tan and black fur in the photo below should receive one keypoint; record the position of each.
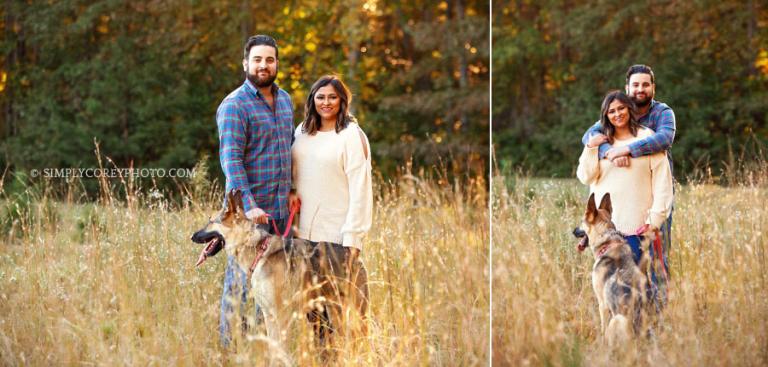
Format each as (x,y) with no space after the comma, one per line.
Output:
(292,276)
(619,283)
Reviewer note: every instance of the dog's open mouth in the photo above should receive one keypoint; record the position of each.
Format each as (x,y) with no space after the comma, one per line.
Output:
(583,239)
(583,243)
(213,241)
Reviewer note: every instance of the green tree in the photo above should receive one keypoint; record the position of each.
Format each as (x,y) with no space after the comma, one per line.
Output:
(557,60)
(144,78)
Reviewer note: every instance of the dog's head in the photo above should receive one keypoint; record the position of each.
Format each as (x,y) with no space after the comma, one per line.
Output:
(229,228)
(596,221)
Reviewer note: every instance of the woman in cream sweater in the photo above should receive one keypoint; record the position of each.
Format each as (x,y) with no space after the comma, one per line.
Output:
(332,170)
(641,193)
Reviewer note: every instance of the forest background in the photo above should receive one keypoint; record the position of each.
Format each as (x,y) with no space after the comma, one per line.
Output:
(144,78)
(554,61)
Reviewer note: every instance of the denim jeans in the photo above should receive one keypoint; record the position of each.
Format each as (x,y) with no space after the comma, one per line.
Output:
(657,274)
(235,292)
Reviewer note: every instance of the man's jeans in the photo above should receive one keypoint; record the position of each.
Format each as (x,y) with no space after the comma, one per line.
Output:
(657,275)
(235,292)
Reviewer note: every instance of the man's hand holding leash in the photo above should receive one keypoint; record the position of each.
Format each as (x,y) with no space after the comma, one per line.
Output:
(258,216)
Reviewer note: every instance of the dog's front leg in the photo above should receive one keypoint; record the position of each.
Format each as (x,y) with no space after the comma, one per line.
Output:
(604,317)
(597,286)
(265,296)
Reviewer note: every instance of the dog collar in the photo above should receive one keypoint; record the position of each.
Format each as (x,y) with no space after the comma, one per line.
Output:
(612,238)
(605,249)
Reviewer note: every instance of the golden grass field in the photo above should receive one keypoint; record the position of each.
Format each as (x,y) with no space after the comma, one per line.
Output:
(544,309)
(114,282)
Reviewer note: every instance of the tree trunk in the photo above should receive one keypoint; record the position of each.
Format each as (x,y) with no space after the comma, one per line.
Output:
(245,20)
(8,124)
(751,26)
(462,59)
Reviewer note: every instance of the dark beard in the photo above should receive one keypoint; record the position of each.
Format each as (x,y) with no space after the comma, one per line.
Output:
(261,83)
(643,103)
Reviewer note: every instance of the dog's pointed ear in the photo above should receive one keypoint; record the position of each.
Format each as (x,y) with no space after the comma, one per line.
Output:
(591,209)
(238,202)
(605,203)
(235,202)
(231,206)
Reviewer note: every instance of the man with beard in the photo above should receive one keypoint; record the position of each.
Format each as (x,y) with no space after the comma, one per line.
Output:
(255,125)
(641,88)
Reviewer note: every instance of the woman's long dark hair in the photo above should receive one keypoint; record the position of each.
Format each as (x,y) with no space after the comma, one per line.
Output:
(608,129)
(312,120)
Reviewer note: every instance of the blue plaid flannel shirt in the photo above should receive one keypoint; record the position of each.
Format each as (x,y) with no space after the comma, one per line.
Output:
(255,147)
(660,118)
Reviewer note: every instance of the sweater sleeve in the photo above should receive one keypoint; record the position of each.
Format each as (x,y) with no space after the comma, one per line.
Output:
(661,182)
(589,166)
(357,167)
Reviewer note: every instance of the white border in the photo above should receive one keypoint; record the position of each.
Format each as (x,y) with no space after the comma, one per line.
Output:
(490,182)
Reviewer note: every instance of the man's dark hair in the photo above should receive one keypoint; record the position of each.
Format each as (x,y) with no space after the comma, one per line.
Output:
(640,69)
(259,40)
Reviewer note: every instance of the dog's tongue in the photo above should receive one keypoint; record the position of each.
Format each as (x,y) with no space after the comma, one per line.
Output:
(204,253)
(201,259)
(582,243)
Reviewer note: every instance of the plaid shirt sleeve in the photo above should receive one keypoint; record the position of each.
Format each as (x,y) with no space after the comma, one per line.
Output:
(661,140)
(596,129)
(232,142)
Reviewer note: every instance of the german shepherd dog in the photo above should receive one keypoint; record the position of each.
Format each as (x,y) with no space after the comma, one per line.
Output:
(289,277)
(620,285)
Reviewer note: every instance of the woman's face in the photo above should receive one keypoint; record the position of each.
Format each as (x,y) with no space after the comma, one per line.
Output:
(327,102)
(618,114)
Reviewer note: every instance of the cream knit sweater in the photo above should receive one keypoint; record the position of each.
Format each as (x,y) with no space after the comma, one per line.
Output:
(640,193)
(332,177)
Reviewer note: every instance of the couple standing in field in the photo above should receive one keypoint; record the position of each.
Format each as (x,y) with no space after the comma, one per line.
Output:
(627,154)
(323,166)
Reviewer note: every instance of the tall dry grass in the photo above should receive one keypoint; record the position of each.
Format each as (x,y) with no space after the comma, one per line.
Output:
(544,309)
(114,282)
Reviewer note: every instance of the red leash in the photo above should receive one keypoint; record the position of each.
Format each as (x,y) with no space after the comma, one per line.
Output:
(294,209)
(262,246)
(657,248)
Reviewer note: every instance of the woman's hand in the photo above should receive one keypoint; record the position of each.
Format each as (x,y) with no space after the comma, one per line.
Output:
(293,199)
(644,228)
(596,140)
